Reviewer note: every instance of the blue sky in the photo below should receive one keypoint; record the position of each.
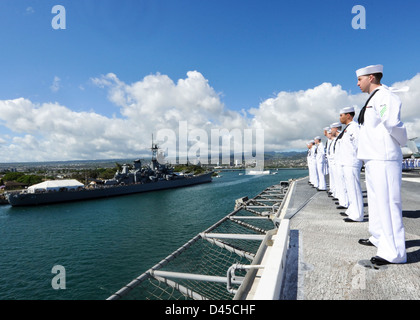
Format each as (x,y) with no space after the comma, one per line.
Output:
(248,51)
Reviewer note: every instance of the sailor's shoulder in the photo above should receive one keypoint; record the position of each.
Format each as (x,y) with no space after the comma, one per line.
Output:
(385,93)
(353,127)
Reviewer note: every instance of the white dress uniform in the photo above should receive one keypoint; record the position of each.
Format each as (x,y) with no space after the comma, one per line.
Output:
(381,137)
(351,168)
(340,186)
(313,178)
(314,169)
(330,159)
(326,171)
(320,165)
(308,160)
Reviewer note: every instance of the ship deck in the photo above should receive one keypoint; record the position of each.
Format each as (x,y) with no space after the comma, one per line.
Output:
(324,260)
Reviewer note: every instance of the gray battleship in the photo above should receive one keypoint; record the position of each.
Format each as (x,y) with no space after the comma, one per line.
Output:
(127,181)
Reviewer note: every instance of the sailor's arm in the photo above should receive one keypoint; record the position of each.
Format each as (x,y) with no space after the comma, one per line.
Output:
(388,109)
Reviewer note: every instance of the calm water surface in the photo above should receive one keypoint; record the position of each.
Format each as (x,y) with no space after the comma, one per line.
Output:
(104,244)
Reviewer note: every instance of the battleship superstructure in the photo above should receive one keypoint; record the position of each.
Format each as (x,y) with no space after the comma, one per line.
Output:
(155,176)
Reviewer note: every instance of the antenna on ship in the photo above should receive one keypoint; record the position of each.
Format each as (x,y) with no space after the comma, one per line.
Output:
(154,149)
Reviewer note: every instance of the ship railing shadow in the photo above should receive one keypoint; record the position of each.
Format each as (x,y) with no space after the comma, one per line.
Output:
(412,214)
(290,285)
(413,256)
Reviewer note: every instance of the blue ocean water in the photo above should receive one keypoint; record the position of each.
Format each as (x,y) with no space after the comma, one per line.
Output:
(104,244)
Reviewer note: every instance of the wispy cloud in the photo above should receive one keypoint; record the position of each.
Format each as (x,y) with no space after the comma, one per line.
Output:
(29,10)
(56,84)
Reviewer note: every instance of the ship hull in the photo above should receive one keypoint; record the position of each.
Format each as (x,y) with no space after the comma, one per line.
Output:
(31,199)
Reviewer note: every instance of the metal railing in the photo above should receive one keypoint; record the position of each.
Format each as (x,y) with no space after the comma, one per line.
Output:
(214,256)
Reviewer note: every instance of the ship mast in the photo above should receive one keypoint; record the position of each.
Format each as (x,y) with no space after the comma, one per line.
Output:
(155,150)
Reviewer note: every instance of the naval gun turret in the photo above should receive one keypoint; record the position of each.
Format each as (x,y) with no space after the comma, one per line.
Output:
(133,174)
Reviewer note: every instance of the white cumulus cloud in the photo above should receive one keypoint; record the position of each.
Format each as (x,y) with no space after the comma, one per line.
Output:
(163,103)
(411,105)
(51,131)
(292,118)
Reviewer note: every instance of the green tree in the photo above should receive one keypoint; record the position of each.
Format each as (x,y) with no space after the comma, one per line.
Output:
(107,173)
(13,176)
(30,179)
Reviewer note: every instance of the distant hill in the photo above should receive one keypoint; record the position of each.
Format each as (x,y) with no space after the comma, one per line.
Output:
(271,156)
(287,154)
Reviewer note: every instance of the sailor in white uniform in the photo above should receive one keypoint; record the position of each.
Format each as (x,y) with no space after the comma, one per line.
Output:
(340,187)
(325,150)
(308,160)
(331,157)
(313,171)
(351,165)
(381,136)
(320,163)
(330,168)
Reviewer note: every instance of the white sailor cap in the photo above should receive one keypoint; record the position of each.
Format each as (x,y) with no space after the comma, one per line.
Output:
(378,68)
(317,138)
(326,128)
(335,125)
(329,130)
(347,110)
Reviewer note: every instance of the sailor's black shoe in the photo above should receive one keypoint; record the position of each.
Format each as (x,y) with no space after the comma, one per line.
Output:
(366,242)
(379,261)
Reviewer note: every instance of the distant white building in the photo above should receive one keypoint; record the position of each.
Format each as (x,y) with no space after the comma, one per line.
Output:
(55,185)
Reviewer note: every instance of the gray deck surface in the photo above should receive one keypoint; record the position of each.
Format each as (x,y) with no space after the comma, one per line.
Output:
(324,261)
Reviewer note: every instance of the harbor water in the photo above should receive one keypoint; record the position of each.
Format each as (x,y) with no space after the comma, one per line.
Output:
(101,245)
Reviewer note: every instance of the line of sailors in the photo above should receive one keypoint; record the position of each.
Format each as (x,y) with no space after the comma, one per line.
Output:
(409,164)
(338,159)
(376,139)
